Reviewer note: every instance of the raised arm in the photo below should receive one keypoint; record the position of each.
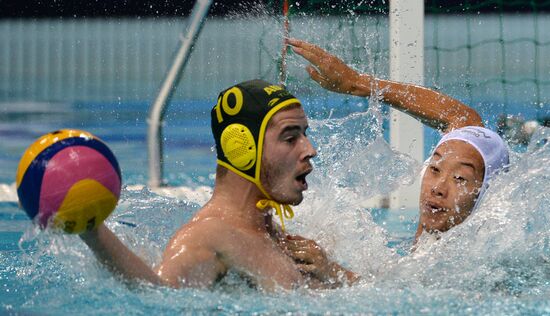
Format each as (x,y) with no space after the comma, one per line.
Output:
(432,108)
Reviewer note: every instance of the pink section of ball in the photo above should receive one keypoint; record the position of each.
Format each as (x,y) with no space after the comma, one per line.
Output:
(69,166)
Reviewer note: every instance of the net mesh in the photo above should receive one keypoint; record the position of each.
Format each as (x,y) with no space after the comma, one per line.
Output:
(512,43)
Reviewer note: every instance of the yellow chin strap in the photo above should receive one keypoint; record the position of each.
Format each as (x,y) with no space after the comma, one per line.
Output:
(285,212)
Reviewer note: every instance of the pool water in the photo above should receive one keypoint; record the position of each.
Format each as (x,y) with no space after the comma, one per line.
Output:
(497,262)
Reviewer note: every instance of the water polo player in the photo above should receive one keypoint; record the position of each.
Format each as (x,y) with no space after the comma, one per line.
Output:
(462,163)
(263,160)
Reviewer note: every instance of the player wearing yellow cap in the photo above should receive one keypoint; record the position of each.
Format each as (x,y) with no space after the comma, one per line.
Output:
(263,160)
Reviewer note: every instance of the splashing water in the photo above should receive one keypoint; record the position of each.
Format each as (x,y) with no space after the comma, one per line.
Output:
(503,247)
(354,164)
(497,261)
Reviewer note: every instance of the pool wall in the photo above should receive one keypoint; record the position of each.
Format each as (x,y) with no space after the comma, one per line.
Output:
(472,57)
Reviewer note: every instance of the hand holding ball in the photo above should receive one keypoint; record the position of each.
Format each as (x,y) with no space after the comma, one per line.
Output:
(68,178)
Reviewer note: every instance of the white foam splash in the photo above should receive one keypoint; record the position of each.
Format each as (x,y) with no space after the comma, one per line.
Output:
(504,246)
(8,192)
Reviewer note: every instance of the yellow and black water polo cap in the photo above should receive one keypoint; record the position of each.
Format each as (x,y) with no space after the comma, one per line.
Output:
(239,121)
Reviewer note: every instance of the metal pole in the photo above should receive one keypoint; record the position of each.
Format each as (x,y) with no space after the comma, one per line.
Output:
(158,109)
(406,65)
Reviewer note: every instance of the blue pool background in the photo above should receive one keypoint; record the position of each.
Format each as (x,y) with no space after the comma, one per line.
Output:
(41,272)
(496,263)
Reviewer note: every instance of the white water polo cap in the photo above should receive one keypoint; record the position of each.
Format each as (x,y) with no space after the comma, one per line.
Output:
(489,144)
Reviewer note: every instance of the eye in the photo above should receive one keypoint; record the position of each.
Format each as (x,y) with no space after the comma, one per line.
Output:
(290,139)
(434,169)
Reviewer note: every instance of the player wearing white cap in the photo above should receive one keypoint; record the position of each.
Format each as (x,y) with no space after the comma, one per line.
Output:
(464,160)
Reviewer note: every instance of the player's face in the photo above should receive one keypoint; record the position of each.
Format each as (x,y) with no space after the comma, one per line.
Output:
(450,186)
(286,156)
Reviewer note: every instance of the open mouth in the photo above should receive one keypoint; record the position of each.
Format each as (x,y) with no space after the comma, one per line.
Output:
(434,208)
(301,179)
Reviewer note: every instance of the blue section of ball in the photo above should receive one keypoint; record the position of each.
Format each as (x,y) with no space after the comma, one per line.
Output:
(31,184)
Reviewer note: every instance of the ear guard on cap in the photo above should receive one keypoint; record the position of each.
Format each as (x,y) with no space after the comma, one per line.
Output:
(238,146)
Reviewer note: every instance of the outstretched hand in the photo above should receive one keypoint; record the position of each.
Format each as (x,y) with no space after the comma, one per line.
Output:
(326,69)
(431,107)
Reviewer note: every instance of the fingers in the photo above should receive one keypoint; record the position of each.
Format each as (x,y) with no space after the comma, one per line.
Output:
(307,268)
(301,244)
(327,70)
(294,237)
(310,52)
(285,249)
(294,42)
(298,43)
(304,250)
(316,76)
(307,255)
(314,73)
(303,256)
(307,54)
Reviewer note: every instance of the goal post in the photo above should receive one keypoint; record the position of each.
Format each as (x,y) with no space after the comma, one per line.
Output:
(406,23)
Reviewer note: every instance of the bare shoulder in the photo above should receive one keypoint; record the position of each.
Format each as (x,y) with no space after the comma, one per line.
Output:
(198,230)
(191,256)
(227,239)
(207,247)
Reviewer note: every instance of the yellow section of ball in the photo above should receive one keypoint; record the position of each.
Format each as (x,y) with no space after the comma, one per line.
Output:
(42,143)
(87,204)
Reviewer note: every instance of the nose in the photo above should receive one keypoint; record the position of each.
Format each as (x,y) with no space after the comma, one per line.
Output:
(308,151)
(439,187)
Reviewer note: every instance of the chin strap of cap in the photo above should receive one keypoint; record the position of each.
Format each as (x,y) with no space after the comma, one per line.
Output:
(286,210)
